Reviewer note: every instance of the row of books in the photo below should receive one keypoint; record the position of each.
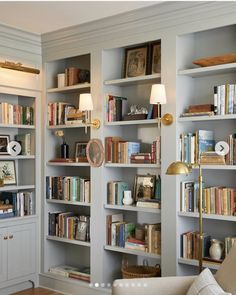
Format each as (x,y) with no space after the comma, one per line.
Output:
(190,245)
(16,114)
(68,188)
(25,142)
(16,204)
(68,225)
(215,200)
(67,271)
(62,113)
(225,99)
(192,145)
(120,151)
(122,234)
(230,158)
(116,107)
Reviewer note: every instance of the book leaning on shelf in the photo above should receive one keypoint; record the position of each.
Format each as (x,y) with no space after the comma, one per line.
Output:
(216,200)
(68,188)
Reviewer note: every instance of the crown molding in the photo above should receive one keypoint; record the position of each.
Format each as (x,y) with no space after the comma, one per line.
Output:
(156,18)
(20,40)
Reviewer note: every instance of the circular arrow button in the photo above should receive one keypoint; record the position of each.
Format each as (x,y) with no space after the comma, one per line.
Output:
(14,148)
(222,148)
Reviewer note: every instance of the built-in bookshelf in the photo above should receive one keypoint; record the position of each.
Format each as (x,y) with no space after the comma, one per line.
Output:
(139,135)
(67,194)
(195,86)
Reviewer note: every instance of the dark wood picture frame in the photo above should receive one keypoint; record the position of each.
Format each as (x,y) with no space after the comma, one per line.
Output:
(8,173)
(155,59)
(144,187)
(4,141)
(80,152)
(136,61)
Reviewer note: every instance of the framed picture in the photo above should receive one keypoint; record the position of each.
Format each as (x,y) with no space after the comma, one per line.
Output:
(8,172)
(136,61)
(80,152)
(95,152)
(144,186)
(155,58)
(4,141)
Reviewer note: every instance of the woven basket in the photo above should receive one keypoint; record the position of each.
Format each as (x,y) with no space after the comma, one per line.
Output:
(140,271)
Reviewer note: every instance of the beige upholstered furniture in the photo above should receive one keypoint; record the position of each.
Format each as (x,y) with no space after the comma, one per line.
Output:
(225,276)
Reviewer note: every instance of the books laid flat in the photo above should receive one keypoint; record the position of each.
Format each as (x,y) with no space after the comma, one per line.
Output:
(78,273)
(192,114)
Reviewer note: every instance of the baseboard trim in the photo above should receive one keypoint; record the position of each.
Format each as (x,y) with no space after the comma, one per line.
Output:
(18,285)
(69,288)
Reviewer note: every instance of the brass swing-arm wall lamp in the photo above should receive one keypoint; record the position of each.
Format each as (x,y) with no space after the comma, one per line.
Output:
(158,96)
(86,104)
(18,67)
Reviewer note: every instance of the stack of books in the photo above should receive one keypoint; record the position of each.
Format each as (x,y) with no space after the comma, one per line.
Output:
(78,273)
(6,211)
(68,188)
(199,110)
(212,158)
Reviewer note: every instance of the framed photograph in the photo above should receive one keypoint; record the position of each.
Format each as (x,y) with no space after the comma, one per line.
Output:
(155,58)
(4,141)
(8,172)
(80,152)
(136,61)
(144,187)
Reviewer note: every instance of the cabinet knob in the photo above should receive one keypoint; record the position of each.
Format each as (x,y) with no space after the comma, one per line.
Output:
(5,238)
(11,237)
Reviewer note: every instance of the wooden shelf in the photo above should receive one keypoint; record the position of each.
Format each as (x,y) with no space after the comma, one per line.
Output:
(68,164)
(120,165)
(67,126)
(133,80)
(68,202)
(68,89)
(211,70)
(208,216)
(132,252)
(207,118)
(16,187)
(132,122)
(69,241)
(17,126)
(194,262)
(133,208)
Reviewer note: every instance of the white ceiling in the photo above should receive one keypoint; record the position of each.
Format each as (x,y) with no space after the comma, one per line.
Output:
(47,16)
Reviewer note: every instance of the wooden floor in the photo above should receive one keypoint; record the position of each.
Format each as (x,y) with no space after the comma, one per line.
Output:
(37,291)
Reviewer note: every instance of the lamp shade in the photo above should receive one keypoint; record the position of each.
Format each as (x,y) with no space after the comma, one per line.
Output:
(85,102)
(177,168)
(158,94)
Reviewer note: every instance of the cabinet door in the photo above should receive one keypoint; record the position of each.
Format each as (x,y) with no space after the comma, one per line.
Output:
(21,250)
(3,254)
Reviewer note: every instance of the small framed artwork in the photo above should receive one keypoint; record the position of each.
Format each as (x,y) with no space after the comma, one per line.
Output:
(136,61)
(8,172)
(4,141)
(80,152)
(95,152)
(144,187)
(155,58)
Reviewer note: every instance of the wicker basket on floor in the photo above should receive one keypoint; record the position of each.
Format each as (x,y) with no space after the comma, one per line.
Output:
(140,271)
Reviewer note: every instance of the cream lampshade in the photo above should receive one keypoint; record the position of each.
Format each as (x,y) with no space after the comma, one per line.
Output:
(158,94)
(85,102)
